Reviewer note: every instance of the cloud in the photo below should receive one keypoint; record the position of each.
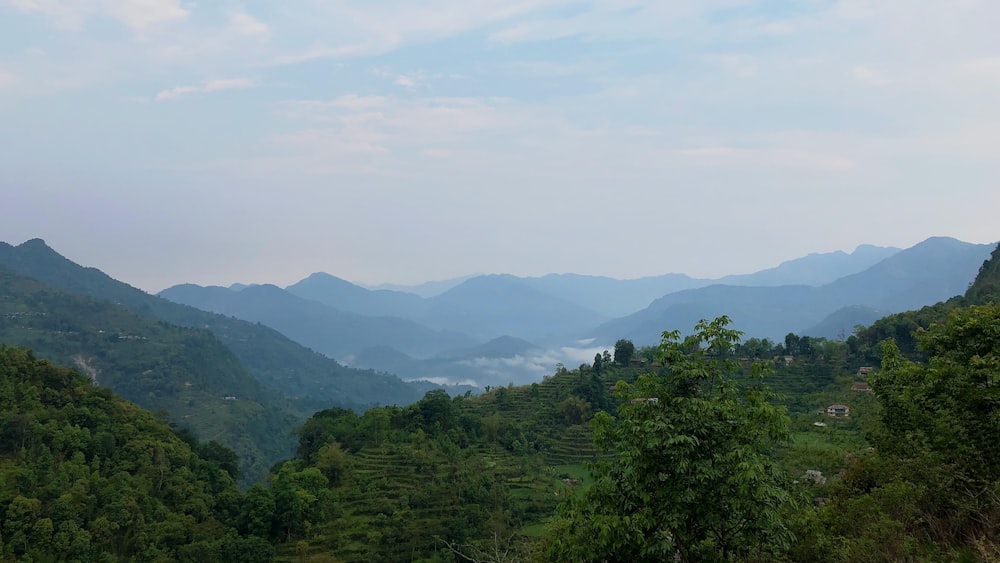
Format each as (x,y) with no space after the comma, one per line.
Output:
(738,64)
(446,381)
(422,122)
(135,14)
(243,23)
(869,76)
(382,27)
(207,87)
(531,367)
(410,82)
(767,157)
(319,51)
(548,69)
(404,81)
(140,14)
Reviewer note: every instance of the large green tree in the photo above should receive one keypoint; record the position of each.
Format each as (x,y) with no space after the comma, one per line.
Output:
(624,350)
(951,405)
(690,478)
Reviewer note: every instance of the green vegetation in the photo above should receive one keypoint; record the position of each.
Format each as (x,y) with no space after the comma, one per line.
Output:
(691,478)
(407,483)
(186,373)
(86,476)
(927,491)
(715,468)
(716,449)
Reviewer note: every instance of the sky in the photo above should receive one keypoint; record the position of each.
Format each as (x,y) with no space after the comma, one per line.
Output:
(167,141)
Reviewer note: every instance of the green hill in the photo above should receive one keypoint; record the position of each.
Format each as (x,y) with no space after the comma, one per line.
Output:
(397,483)
(87,476)
(273,359)
(986,287)
(185,372)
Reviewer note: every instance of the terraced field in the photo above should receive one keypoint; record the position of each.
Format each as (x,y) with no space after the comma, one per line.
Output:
(501,464)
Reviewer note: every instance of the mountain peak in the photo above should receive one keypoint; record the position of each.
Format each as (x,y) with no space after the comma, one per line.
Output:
(323,276)
(34,243)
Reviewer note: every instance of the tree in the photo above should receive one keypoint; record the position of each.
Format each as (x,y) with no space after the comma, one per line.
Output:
(951,406)
(332,462)
(624,350)
(258,512)
(574,410)
(692,479)
(791,343)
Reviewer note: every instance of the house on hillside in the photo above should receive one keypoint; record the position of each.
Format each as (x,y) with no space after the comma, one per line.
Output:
(861,386)
(814,476)
(789,360)
(838,411)
(864,371)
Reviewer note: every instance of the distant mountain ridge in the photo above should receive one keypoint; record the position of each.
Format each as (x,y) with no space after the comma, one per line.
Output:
(426,289)
(605,296)
(271,357)
(483,307)
(923,274)
(815,269)
(346,296)
(824,292)
(491,306)
(332,332)
(555,309)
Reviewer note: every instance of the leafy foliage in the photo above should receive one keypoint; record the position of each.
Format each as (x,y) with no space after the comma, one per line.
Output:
(86,476)
(931,489)
(624,350)
(986,287)
(691,478)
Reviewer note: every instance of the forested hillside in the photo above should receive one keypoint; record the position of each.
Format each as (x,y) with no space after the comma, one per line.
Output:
(86,476)
(272,358)
(183,372)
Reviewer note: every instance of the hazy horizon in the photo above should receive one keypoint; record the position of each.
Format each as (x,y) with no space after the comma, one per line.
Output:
(287,281)
(166,141)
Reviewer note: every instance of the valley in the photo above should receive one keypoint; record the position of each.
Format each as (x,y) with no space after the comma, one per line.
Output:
(348,471)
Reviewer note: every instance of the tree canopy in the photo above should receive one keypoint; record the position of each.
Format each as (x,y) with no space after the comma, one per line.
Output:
(690,477)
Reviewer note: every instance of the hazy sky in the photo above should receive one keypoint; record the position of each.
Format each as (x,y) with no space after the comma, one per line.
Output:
(167,141)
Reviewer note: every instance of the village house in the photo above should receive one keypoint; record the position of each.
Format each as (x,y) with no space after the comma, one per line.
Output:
(815,476)
(838,411)
(861,386)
